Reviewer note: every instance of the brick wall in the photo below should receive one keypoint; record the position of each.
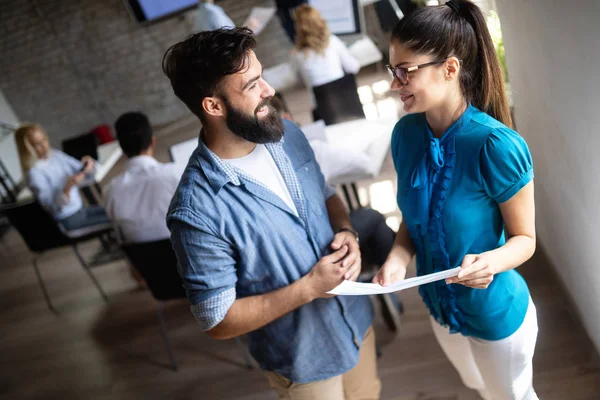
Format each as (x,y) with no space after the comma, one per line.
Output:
(73,64)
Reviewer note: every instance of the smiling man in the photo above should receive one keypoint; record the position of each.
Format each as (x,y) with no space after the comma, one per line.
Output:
(260,237)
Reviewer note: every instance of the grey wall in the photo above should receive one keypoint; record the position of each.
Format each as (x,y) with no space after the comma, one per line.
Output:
(73,64)
(8,149)
(553,54)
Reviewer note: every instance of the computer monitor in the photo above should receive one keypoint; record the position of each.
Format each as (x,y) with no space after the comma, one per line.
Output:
(344,17)
(147,11)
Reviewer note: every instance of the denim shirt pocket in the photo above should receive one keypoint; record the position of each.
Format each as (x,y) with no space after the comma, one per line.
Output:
(310,179)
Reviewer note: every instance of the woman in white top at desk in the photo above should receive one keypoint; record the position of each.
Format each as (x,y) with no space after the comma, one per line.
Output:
(319,57)
(53,177)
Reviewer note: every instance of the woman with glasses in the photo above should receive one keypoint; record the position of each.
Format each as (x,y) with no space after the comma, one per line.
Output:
(465,189)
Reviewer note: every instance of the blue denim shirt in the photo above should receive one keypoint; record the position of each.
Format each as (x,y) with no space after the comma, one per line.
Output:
(235,238)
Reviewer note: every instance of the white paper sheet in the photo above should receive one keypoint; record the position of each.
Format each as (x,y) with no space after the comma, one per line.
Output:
(348,288)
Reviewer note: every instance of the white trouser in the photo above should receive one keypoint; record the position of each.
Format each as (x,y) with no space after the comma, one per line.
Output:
(499,369)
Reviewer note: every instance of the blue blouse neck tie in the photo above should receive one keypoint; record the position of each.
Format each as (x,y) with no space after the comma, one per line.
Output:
(424,176)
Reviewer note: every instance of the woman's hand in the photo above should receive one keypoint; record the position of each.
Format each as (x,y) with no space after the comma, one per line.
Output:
(392,271)
(88,164)
(477,271)
(72,181)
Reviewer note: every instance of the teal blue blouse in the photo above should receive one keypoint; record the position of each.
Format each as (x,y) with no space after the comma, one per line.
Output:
(449,190)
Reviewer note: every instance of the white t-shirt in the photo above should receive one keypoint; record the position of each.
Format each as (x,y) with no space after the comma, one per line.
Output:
(260,165)
(138,200)
(319,69)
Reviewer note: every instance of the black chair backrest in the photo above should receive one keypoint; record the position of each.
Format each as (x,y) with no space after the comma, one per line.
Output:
(8,187)
(39,230)
(387,15)
(82,145)
(157,263)
(338,101)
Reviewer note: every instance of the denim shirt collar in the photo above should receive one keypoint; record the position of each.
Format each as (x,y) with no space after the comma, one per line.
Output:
(219,172)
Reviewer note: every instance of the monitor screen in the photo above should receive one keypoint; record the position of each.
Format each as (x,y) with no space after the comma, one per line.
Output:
(343,16)
(151,10)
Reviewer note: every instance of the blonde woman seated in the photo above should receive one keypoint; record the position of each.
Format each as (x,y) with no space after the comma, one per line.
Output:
(53,177)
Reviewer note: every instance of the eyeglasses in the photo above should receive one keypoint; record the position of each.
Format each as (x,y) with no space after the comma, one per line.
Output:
(401,73)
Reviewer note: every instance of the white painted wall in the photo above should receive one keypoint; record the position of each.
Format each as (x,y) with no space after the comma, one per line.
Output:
(553,55)
(8,149)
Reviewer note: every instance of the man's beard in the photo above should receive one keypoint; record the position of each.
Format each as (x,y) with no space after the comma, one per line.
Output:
(268,129)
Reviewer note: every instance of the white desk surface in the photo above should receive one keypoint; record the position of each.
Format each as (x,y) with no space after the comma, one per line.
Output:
(181,152)
(365,51)
(108,155)
(373,137)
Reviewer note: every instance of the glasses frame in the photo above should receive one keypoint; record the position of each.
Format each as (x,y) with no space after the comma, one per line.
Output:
(406,70)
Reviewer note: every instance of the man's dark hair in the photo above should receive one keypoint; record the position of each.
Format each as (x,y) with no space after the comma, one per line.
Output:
(197,66)
(134,133)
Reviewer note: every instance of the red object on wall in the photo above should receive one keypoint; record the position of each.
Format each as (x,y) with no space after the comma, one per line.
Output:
(103,133)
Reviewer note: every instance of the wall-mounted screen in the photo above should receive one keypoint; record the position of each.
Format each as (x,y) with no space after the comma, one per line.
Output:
(145,11)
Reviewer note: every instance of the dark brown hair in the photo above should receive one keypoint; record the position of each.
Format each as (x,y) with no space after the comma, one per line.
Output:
(197,65)
(134,133)
(460,31)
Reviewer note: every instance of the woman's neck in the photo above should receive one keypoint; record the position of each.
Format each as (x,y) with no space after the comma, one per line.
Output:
(442,118)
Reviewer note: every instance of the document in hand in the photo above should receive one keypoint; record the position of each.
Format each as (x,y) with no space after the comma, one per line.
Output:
(348,288)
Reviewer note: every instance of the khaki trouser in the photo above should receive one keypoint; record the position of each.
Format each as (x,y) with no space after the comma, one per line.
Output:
(360,383)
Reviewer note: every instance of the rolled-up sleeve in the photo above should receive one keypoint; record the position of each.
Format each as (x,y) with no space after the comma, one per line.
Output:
(207,266)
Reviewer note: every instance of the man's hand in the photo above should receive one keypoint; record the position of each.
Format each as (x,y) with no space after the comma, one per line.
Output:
(353,260)
(250,313)
(326,274)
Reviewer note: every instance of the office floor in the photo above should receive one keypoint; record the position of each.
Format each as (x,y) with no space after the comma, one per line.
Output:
(93,350)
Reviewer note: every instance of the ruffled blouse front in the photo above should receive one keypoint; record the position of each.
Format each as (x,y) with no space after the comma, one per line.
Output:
(445,193)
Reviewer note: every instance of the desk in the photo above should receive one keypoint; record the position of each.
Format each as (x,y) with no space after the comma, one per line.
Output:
(180,153)
(281,77)
(365,51)
(372,137)
(108,155)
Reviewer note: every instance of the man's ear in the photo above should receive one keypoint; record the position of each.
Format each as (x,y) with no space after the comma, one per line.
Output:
(213,106)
